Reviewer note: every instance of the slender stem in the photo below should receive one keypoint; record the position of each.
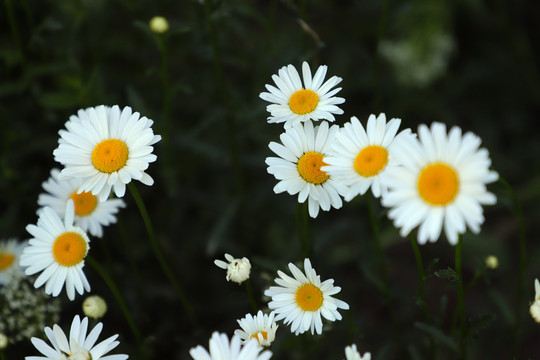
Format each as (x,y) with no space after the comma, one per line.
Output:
(250,296)
(302,224)
(119,299)
(460,300)
(421,276)
(13,27)
(2,357)
(157,252)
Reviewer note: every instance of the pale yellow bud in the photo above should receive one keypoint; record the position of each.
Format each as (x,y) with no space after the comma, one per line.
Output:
(3,341)
(94,307)
(159,24)
(492,262)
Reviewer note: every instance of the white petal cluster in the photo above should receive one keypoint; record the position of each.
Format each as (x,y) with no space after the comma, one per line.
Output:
(238,270)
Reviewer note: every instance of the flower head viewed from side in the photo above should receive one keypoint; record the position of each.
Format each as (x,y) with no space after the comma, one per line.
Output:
(261,327)
(535,306)
(238,270)
(221,349)
(79,345)
(105,148)
(57,251)
(298,167)
(351,353)
(90,214)
(302,300)
(10,253)
(442,184)
(293,102)
(360,158)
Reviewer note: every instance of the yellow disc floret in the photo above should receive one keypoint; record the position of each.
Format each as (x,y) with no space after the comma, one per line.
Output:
(303,101)
(438,184)
(6,260)
(85,203)
(309,167)
(264,335)
(69,249)
(308,297)
(371,160)
(110,155)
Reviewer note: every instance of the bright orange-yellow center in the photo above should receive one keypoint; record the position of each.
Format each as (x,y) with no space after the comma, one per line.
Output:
(110,155)
(438,184)
(84,202)
(264,335)
(371,160)
(309,167)
(69,249)
(303,101)
(309,297)
(6,260)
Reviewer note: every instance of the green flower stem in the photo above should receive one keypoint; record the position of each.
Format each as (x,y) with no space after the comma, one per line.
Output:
(2,357)
(302,224)
(13,27)
(523,264)
(119,299)
(157,252)
(460,300)
(251,298)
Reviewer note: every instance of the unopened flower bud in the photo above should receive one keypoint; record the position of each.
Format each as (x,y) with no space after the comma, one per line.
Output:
(159,24)
(535,306)
(94,307)
(237,269)
(3,341)
(492,262)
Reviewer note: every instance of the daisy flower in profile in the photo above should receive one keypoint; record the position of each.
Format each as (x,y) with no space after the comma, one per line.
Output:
(298,167)
(293,102)
(441,184)
(351,353)
(302,300)
(237,269)
(10,253)
(80,346)
(105,148)
(90,213)
(360,158)
(57,251)
(221,349)
(535,306)
(261,327)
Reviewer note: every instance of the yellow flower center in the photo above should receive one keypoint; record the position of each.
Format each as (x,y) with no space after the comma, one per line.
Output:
(84,202)
(303,101)
(309,167)
(309,297)
(110,155)
(263,333)
(371,160)
(69,249)
(6,260)
(438,184)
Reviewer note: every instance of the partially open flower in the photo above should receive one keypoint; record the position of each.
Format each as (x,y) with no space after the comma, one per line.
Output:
(237,269)
(535,306)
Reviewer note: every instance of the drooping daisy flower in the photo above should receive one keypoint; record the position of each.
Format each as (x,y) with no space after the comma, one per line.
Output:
(220,349)
(302,300)
(261,327)
(298,166)
(237,269)
(351,353)
(360,159)
(442,184)
(10,253)
(57,251)
(105,148)
(80,346)
(90,214)
(535,306)
(293,102)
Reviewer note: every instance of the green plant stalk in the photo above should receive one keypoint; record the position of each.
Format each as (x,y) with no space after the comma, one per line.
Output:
(302,224)
(251,298)
(460,299)
(158,254)
(2,357)
(118,296)
(13,27)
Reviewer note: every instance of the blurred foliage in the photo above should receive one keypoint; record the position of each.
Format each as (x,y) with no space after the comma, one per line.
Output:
(200,83)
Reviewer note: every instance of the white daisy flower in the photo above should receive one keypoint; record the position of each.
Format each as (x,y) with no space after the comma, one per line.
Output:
(302,300)
(293,102)
(10,253)
(106,147)
(237,269)
(80,346)
(90,214)
(360,159)
(351,353)
(298,167)
(442,183)
(535,306)
(57,251)
(261,327)
(220,349)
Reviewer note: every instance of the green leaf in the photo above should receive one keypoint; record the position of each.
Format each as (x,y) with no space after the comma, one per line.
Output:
(438,335)
(447,274)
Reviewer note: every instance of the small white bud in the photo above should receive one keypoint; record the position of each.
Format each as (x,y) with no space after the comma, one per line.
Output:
(237,269)
(159,24)
(94,307)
